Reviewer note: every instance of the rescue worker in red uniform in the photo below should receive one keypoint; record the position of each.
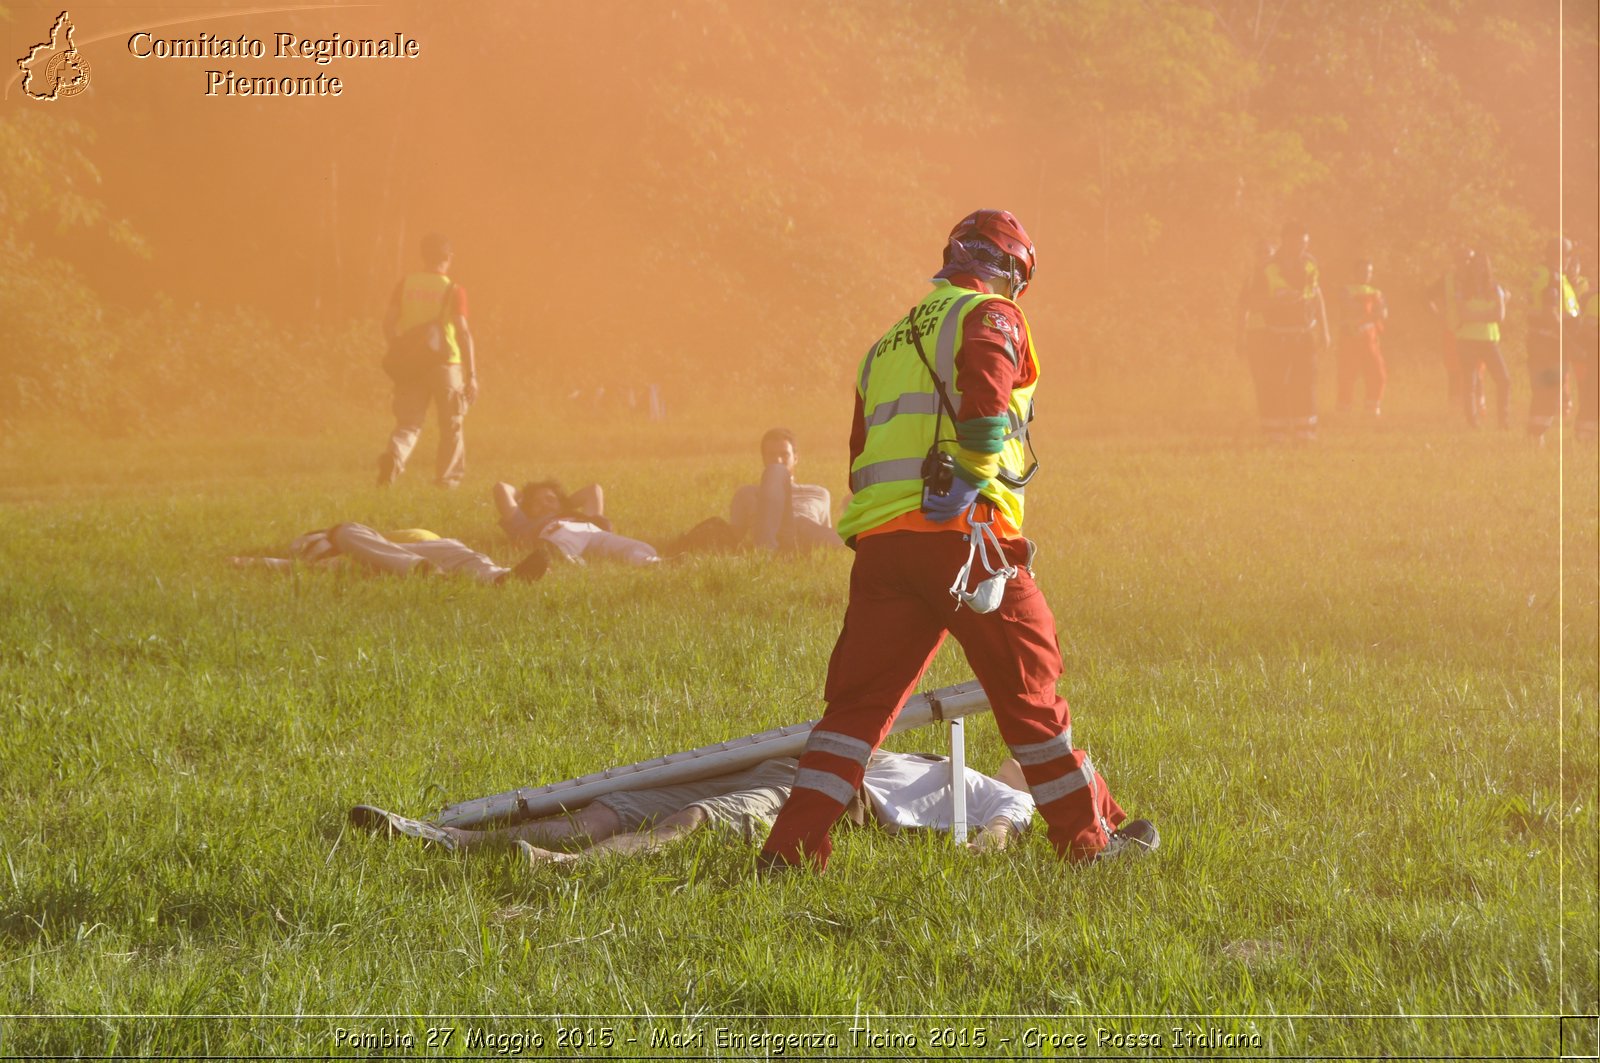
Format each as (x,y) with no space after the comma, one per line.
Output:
(939,459)
(1288,295)
(1360,352)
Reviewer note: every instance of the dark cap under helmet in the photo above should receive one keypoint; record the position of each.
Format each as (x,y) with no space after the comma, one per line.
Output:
(977,238)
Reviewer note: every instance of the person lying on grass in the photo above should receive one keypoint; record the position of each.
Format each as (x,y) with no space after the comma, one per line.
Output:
(901,791)
(412,552)
(575,524)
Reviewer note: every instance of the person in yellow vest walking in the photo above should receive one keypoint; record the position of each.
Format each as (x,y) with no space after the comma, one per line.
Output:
(1360,352)
(1581,283)
(939,462)
(1287,293)
(433,363)
(1254,344)
(1478,307)
(1552,309)
(1444,301)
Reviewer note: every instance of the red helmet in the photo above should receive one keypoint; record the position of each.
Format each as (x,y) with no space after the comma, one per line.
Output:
(1004,231)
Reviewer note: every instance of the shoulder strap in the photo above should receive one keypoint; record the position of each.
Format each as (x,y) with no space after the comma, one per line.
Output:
(938,382)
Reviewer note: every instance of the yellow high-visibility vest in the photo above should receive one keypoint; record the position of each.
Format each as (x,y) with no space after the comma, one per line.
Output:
(1292,290)
(421,301)
(1546,319)
(1479,318)
(900,404)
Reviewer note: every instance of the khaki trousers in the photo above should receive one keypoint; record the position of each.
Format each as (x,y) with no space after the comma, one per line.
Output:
(450,557)
(443,389)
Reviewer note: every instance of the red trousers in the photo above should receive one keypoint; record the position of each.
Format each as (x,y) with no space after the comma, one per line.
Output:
(899,613)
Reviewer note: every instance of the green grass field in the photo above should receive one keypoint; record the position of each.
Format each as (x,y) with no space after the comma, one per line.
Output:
(1353,684)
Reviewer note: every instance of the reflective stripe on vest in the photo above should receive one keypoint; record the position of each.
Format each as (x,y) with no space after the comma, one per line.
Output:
(900,407)
(903,404)
(1478,319)
(944,344)
(421,301)
(883,472)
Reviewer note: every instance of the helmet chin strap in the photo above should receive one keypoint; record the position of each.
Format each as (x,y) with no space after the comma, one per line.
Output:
(1018,285)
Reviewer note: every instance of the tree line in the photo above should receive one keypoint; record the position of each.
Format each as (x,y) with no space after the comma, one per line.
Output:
(735,192)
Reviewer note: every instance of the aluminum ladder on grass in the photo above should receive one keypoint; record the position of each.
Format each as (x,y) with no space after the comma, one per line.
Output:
(947,703)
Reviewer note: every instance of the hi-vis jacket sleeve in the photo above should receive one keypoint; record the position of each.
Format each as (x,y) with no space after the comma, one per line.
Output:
(992,361)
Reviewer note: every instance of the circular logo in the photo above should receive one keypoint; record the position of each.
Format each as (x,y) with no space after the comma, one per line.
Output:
(67,73)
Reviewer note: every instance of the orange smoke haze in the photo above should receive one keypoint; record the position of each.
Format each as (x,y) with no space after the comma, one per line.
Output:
(750,191)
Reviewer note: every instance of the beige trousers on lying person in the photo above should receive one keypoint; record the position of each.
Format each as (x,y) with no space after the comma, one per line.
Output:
(373,550)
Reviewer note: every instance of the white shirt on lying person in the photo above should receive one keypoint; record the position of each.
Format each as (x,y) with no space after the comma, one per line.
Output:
(913,790)
(581,540)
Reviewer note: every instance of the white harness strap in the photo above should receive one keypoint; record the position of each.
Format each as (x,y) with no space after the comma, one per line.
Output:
(986,598)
